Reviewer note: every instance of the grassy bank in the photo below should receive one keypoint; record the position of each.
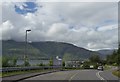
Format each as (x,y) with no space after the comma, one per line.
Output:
(116,73)
(32,71)
(0,74)
(107,67)
(22,72)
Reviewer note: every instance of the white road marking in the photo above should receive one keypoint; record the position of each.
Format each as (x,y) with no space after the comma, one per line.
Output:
(73,76)
(98,75)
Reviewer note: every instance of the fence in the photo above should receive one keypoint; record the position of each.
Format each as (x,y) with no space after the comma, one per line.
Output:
(10,69)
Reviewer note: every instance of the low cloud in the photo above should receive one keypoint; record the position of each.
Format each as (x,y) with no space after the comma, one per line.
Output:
(89,25)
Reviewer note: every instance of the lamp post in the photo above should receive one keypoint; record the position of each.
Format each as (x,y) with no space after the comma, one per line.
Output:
(25,56)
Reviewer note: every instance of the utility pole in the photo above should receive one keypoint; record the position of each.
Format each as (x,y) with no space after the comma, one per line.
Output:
(25,56)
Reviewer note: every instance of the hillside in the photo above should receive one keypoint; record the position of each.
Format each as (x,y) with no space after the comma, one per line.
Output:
(66,50)
(12,48)
(106,52)
(46,49)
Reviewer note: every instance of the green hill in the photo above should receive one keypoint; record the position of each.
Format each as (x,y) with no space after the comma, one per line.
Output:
(66,50)
(12,48)
(45,50)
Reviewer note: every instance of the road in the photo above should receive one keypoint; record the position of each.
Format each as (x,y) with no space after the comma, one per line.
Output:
(76,75)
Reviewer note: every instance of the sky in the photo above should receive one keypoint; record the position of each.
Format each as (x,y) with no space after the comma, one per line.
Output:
(91,25)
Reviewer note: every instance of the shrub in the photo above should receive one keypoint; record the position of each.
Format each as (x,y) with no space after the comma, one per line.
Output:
(5,62)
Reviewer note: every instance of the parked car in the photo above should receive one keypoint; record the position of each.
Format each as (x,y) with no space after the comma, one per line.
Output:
(100,68)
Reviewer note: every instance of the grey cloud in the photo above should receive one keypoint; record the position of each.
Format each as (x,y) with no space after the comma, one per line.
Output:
(47,24)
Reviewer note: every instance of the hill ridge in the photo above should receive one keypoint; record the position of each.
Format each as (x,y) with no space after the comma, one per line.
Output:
(47,49)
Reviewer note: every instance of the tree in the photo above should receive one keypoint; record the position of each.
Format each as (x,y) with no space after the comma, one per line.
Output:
(51,62)
(5,61)
(109,59)
(15,61)
(114,59)
(86,65)
(63,63)
(0,61)
(26,63)
(118,56)
(41,64)
(95,58)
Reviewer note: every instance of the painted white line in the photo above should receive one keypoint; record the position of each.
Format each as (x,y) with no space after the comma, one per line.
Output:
(73,76)
(98,75)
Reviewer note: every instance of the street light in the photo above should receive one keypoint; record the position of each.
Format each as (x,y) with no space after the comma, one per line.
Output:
(25,57)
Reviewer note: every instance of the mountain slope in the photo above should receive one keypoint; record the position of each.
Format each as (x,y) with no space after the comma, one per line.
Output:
(53,49)
(106,52)
(13,48)
(46,50)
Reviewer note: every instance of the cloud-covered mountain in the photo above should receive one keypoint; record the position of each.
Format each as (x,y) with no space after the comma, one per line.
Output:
(46,50)
(106,52)
(12,48)
(90,25)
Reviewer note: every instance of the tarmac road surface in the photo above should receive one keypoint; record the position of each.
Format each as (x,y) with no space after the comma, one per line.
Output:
(76,75)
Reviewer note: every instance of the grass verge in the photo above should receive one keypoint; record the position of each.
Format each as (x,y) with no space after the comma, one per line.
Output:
(116,73)
(0,74)
(22,72)
(107,67)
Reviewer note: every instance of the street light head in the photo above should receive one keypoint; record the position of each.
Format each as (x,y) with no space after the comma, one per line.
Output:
(28,30)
